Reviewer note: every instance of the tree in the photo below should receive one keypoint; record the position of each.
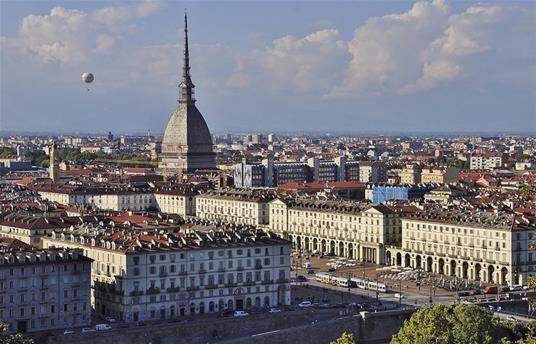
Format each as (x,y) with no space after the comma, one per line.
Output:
(14,338)
(463,324)
(345,338)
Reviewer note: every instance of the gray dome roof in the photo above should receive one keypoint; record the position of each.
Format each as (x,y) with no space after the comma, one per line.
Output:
(186,131)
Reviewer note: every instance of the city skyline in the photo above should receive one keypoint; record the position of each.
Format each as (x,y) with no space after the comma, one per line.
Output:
(403,67)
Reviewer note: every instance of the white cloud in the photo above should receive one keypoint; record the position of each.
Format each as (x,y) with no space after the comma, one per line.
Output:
(311,63)
(70,35)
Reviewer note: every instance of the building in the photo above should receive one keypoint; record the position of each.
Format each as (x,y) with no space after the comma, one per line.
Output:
(44,289)
(440,175)
(187,142)
(180,201)
(344,190)
(372,172)
(379,193)
(491,247)
(410,175)
(488,161)
(238,206)
(54,172)
(140,275)
(347,229)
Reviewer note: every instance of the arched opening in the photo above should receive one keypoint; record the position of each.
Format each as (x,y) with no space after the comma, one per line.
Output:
(478,272)
(504,276)
(298,242)
(453,268)
(221,305)
(248,303)
(324,248)
(407,260)
(258,302)
(351,251)
(172,311)
(418,262)
(315,244)
(341,249)
(230,305)
(266,301)
(201,308)
(192,308)
(491,270)
(441,264)
(388,258)
(429,264)
(307,248)
(211,306)
(465,269)
(332,248)
(399,259)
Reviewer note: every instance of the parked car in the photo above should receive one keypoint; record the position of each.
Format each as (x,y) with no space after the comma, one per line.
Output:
(110,319)
(88,329)
(310,272)
(274,310)
(305,304)
(302,278)
(517,288)
(331,269)
(68,332)
(238,314)
(103,327)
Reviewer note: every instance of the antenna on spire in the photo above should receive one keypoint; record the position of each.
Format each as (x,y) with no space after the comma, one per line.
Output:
(186,86)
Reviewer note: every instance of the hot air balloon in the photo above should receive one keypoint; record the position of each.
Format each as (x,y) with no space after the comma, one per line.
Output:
(88,78)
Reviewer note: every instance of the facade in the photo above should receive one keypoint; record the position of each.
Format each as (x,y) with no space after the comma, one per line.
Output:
(383,193)
(440,175)
(247,207)
(199,269)
(372,172)
(486,246)
(44,289)
(176,201)
(347,229)
(485,161)
(187,142)
(410,175)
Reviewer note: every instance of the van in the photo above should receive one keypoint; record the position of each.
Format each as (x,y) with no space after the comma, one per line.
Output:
(103,327)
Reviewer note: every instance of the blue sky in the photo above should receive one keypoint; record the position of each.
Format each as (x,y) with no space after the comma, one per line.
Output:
(378,66)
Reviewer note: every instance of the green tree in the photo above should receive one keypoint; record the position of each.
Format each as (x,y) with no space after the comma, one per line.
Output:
(13,338)
(6,152)
(464,324)
(345,338)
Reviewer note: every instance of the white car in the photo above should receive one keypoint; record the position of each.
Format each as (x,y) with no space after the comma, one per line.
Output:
(68,332)
(399,296)
(305,304)
(88,329)
(274,310)
(238,314)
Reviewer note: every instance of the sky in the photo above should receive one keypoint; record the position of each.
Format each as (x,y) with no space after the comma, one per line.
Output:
(311,66)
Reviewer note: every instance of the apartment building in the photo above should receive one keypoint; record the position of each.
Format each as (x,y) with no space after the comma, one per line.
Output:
(372,172)
(30,229)
(110,198)
(239,206)
(488,161)
(348,229)
(139,275)
(178,201)
(410,175)
(440,175)
(490,246)
(44,289)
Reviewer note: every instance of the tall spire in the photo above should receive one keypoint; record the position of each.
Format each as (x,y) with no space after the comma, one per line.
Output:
(186,86)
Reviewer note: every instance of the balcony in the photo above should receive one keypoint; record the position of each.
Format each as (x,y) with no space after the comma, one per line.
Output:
(202,271)
(230,284)
(248,283)
(162,274)
(183,273)
(136,293)
(283,280)
(258,266)
(173,290)
(221,269)
(239,268)
(152,291)
(211,286)
(192,288)
(267,281)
